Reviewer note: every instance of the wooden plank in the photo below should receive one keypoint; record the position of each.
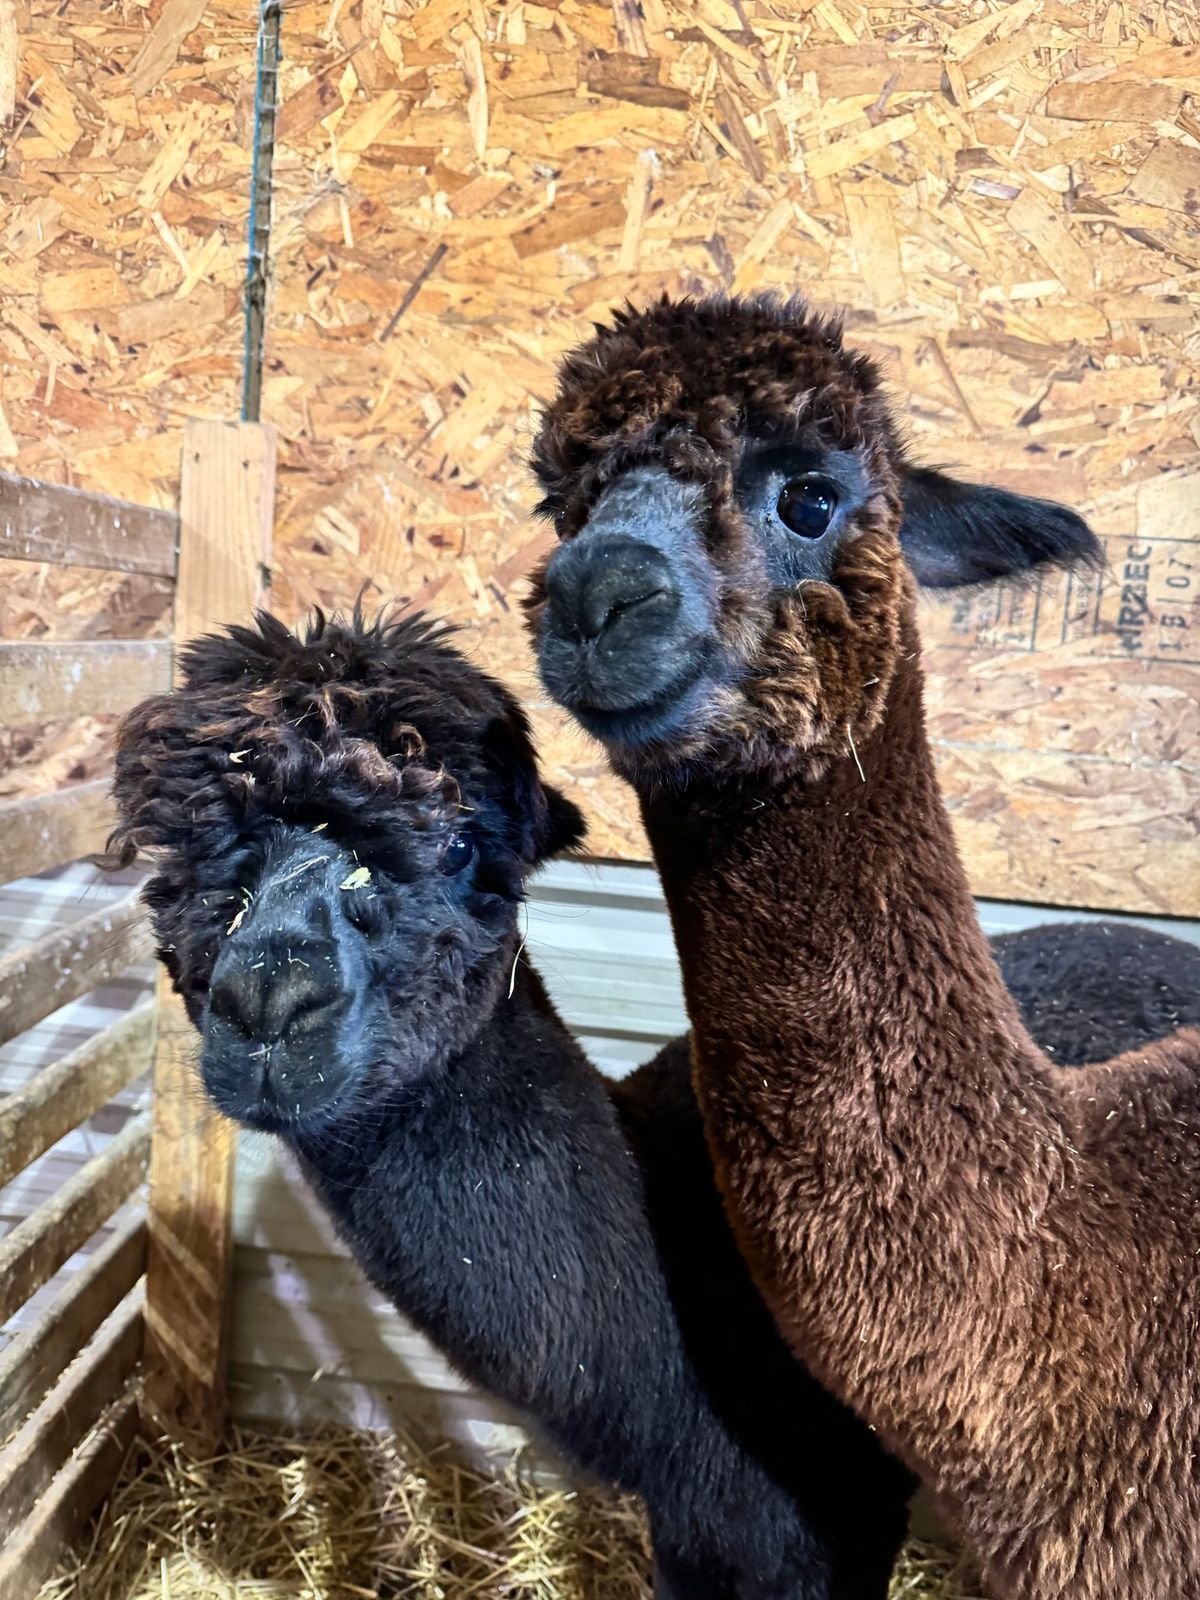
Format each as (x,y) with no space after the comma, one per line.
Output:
(32,1554)
(53,828)
(38,978)
(70,1090)
(50,682)
(31,1458)
(45,522)
(32,1362)
(9,52)
(35,1249)
(226,505)
(226,511)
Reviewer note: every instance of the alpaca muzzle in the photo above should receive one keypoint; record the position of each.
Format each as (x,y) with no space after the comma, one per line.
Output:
(630,606)
(277,1028)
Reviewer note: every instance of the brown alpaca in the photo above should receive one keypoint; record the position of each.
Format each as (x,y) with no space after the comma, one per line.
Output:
(992,1259)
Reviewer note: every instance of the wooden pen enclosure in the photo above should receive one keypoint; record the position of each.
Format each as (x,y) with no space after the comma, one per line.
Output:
(136,1317)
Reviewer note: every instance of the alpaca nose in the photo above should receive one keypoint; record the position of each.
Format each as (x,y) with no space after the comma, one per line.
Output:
(278,988)
(282,1035)
(594,584)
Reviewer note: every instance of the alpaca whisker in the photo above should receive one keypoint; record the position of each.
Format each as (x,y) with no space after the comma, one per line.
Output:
(854,753)
(512,978)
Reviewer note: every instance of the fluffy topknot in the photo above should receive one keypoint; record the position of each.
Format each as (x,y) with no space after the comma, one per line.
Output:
(360,720)
(686,382)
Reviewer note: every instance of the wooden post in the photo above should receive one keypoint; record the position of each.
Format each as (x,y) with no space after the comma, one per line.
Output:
(9,52)
(226,506)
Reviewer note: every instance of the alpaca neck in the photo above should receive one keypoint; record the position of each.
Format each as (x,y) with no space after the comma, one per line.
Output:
(476,1199)
(423,1117)
(846,1007)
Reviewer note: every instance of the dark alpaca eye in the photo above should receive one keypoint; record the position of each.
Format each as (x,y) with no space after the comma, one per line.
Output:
(807,505)
(457,853)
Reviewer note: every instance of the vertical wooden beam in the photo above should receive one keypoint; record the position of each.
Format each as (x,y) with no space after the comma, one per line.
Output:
(226,507)
(9,52)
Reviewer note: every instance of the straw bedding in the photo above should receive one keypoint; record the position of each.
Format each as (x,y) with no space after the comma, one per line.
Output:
(342,1515)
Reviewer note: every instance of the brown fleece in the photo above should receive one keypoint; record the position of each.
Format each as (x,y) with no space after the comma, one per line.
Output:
(995,1261)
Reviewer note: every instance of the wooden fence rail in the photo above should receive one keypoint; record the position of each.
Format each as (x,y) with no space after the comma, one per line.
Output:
(42,1444)
(39,1244)
(72,1089)
(48,682)
(31,1363)
(38,978)
(34,1550)
(51,829)
(45,522)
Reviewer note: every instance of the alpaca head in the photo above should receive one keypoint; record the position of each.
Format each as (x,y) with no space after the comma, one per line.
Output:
(342,823)
(739,526)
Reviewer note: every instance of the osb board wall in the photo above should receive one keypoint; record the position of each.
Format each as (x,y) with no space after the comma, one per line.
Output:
(123,206)
(1003,195)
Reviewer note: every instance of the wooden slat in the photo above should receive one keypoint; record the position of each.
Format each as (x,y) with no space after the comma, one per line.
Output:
(38,1246)
(45,522)
(32,1363)
(39,1544)
(53,828)
(42,1444)
(50,682)
(70,1090)
(226,508)
(38,978)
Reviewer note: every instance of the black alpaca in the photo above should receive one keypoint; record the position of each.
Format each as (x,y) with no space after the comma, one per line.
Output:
(344,826)
(1089,991)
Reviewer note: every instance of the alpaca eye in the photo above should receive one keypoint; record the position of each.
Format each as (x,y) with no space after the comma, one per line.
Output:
(807,505)
(457,853)
(356,910)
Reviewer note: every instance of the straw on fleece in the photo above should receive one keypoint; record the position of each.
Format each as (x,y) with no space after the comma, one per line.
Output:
(343,1515)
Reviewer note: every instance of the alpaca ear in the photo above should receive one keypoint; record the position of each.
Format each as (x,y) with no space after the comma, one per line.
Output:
(960,533)
(542,822)
(565,827)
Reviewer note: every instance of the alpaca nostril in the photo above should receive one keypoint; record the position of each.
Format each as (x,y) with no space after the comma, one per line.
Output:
(600,615)
(593,586)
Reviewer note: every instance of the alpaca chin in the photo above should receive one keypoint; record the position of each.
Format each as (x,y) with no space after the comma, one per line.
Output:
(295,1083)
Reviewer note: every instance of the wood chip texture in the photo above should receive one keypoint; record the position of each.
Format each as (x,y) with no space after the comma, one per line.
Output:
(124,183)
(1004,196)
